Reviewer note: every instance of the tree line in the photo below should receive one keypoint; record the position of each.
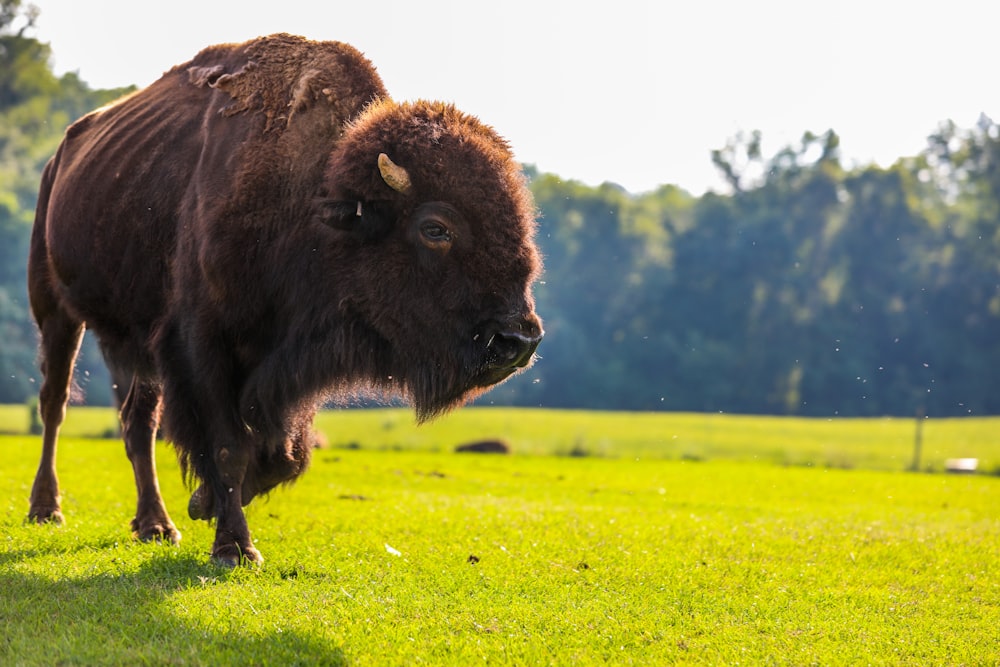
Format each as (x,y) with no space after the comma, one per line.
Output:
(807,287)
(810,288)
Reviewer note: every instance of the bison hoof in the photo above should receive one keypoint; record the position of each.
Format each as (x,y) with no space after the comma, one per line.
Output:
(157,533)
(46,515)
(232,556)
(201,506)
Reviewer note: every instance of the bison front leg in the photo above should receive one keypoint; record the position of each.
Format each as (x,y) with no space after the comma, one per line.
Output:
(233,545)
(272,468)
(140,417)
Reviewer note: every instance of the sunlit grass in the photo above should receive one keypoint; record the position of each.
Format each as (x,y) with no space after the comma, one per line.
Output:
(870,443)
(402,553)
(883,443)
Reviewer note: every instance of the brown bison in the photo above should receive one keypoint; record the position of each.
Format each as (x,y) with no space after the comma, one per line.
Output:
(260,231)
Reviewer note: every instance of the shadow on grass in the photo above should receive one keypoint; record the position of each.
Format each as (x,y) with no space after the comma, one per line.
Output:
(123,618)
(20,555)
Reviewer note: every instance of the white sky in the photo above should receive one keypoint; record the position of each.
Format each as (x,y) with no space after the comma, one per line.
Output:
(629,91)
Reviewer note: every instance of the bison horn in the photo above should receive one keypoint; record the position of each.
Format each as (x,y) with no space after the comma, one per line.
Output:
(393,175)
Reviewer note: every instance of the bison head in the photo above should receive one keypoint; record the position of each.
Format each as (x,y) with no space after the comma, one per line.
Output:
(431,204)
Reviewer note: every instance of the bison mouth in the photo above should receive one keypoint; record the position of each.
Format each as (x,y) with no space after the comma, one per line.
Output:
(496,353)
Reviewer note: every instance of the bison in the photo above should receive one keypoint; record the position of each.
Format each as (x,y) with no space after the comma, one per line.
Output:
(260,231)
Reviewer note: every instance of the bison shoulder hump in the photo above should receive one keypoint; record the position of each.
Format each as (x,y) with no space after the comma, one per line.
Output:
(282,75)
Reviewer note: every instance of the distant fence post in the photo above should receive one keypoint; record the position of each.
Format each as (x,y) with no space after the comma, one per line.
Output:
(34,419)
(918,439)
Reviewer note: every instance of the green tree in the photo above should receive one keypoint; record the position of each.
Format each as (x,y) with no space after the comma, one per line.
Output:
(35,107)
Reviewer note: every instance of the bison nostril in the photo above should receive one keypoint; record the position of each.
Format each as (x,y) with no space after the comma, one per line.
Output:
(514,349)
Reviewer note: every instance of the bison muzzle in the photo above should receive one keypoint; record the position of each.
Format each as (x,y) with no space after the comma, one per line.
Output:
(261,231)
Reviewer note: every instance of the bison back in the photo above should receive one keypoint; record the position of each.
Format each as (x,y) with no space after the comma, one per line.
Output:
(239,133)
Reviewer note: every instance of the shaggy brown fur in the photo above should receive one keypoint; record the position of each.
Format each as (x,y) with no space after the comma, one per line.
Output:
(230,237)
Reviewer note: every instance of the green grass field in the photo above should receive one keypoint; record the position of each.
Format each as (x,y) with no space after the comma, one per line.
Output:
(692,539)
(874,444)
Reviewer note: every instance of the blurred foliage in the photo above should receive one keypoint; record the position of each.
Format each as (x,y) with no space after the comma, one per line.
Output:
(807,288)
(35,108)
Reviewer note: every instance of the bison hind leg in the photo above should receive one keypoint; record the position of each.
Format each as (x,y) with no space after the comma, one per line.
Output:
(61,335)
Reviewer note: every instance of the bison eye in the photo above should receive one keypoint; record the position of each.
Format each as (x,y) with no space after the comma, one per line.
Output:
(434,233)
(436,226)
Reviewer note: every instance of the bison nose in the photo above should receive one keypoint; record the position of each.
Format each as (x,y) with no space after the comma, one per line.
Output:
(514,348)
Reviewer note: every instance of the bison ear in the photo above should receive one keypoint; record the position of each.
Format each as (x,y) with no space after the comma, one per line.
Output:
(366,220)
(205,76)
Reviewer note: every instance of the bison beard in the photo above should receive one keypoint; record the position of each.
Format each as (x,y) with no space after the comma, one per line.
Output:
(258,232)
